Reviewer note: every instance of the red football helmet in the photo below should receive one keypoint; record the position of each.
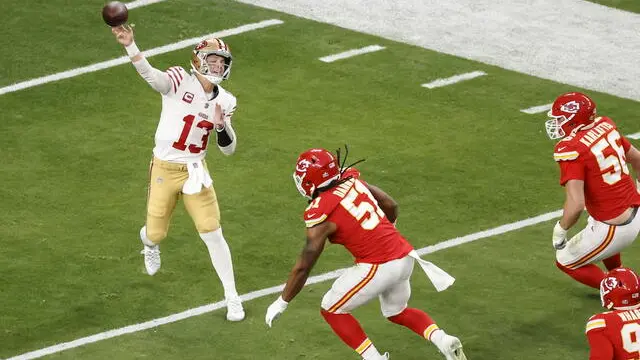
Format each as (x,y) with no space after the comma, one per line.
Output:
(620,289)
(315,168)
(568,112)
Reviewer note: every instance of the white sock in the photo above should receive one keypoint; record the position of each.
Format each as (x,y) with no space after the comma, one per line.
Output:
(436,337)
(371,353)
(144,238)
(221,260)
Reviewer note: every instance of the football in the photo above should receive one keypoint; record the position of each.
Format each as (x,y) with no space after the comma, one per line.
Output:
(115,13)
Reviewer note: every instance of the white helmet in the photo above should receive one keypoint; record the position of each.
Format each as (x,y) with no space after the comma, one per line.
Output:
(211,46)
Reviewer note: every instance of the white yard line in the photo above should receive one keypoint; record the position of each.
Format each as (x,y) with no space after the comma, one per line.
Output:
(274,290)
(141,3)
(635,136)
(454,79)
(352,53)
(123,60)
(537,109)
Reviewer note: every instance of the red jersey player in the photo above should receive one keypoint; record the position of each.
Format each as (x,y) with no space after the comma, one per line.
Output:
(615,335)
(593,158)
(348,211)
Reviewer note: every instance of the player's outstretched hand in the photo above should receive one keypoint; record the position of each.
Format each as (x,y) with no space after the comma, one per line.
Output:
(218,118)
(275,309)
(123,34)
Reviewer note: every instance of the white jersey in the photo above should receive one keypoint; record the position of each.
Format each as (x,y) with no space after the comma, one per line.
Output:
(184,129)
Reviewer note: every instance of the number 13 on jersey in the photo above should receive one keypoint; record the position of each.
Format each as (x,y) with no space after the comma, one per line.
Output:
(181,144)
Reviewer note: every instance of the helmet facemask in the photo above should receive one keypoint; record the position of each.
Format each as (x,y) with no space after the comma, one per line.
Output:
(554,126)
(299,180)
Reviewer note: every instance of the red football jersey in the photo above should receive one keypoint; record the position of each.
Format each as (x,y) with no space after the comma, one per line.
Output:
(614,335)
(597,156)
(362,226)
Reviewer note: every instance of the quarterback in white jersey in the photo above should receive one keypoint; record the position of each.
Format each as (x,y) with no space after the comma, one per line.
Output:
(186,119)
(194,106)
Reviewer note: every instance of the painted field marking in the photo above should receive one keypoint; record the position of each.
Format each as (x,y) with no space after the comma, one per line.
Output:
(634,136)
(351,53)
(125,59)
(453,79)
(537,109)
(141,3)
(276,289)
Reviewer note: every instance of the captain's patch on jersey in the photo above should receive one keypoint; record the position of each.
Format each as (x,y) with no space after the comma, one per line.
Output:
(187,97)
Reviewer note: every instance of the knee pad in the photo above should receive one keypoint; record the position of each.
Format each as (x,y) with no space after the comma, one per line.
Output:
(326,302)
(207,225)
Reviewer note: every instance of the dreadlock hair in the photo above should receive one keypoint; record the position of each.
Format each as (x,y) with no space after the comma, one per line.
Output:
(343,168)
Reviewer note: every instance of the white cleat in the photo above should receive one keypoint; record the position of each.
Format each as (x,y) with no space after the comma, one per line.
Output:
(385,356)
(451,348)
(151,258)
(235,311)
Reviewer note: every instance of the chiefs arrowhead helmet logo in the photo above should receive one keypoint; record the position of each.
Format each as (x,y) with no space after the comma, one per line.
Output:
(303,165)
(571,107)
(610,283)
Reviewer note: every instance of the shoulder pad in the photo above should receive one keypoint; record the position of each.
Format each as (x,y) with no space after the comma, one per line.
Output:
(565,155)
(323,205)
(610,121)
(320,208)
(228,102)
(353,172)
(565,151)
(177,75)
(595,322)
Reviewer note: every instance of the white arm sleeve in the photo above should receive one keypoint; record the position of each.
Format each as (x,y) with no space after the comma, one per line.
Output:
(158,80)
(231,148)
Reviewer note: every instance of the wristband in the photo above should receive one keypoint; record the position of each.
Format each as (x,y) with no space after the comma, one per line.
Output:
(132,49)
(281,302)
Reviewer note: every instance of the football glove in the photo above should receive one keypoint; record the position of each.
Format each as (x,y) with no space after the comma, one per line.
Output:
(275,309)
(559,237)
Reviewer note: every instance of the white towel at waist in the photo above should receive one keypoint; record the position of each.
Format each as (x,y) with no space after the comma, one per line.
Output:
(198,177)
(440,279)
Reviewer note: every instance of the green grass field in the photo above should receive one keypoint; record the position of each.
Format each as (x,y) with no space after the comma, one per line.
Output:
(458,159)
(628,5)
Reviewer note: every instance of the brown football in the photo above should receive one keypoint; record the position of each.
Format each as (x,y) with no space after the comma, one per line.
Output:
(115,13)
